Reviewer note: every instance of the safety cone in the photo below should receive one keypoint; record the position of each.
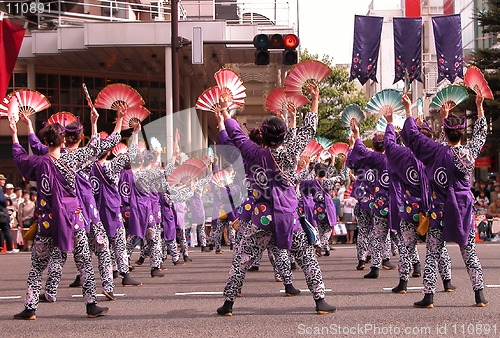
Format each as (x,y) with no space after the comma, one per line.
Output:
(4,248)
(478,239)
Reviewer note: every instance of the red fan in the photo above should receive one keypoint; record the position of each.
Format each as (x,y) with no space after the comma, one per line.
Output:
(30,101)
(117,93)
(120,148)
(228,81)
(339,148)
(303,73)
(197,163)
(133,116)
(103,135)
(277,101)
(475,80)
(209,100)
(63,118)
(4,107)
(313,148)
(222,178)
(184,174)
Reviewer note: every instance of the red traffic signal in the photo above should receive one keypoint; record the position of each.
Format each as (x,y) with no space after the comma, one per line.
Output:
(291,41)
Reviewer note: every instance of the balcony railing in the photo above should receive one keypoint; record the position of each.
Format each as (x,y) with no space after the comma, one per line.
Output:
(47,14)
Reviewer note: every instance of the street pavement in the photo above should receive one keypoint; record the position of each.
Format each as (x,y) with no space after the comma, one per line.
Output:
(184,302)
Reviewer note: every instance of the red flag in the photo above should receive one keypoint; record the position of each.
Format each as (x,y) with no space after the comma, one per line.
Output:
(412,8)
(11,39)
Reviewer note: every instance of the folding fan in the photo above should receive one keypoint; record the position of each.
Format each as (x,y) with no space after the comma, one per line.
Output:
(4,107)
(10,111)
(114,94)
(209,100)
(155,144)
(325,143)
(303,73)
(385,101)
(63,118)
(475,80)
(133,116)
(398,122)
(228,81)
(339,148)
(120,148)
(30,101)
(222,178)
(454,93)
(352,111)
(197,163)
(277,101)
(184,174)
(348,191)
(313,148)
(103,135)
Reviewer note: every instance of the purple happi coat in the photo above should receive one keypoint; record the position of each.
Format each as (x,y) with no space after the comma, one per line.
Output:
(274,202)
(409,187)
(107,199)
(168,218)
(57,203)
(141,215)
(323,209)
(451,203)
(373,166)
(196,210)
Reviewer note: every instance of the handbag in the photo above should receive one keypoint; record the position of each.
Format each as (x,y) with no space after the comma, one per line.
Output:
(27,223)
(311,232)
(339,229)
(423,223)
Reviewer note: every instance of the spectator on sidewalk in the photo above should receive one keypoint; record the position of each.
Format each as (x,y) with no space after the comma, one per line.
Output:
(5,218)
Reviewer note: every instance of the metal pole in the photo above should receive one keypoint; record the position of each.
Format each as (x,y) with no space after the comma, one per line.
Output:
(175,59)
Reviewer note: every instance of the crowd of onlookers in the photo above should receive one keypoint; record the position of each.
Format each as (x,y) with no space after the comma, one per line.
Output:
(17,214)
(487,203)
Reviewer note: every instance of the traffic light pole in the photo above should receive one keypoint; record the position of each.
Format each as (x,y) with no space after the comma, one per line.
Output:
(175,53)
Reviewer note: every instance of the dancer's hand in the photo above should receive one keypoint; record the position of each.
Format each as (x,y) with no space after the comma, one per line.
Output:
(355,129)
(405,100)
(479,105)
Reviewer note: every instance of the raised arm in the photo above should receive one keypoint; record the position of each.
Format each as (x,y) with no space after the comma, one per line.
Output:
(480,130)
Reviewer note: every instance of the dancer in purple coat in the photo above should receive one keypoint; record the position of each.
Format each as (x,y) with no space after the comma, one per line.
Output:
(409,197)
(274,211)
(448,167)
(61,225)
(105,176)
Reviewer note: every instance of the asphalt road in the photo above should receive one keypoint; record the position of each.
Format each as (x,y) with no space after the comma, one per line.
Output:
(167,307)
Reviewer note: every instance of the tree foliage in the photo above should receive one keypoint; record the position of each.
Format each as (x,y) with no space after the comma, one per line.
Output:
(488,60)
(336,92)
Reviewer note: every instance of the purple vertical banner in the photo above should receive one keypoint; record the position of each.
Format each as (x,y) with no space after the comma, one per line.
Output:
(449,50)
(367,32)
(407,49)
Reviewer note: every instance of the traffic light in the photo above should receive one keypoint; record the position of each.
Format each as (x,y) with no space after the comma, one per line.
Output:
(287,42)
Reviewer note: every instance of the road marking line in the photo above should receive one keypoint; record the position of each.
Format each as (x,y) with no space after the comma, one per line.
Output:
(198,293)
(10,297)
(306,290)
(408,288)
(493,286)
(100,295)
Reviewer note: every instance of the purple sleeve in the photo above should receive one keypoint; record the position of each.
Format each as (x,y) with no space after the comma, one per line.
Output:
(37,147)
(423,147)
(360,153)
(240,140)
(25,163)
(395,152)
(225,147)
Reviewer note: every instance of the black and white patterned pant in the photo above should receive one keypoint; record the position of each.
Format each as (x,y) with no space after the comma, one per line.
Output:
(362,242)
(152,244)
(407,236)
(181,237)
(378,240)
(99,245)
(43,250)
(170,248)
(434,252)
(217,233)
(325,232)
(253,242)
(118,245)
(201,235)
(280,261)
